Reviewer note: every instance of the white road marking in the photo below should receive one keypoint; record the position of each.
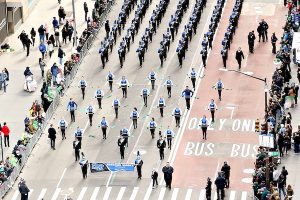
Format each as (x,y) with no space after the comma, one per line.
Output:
(61,177)
(216,174)
(188,194)
(202,194)
(148,193)
(244,196)
(246,59)
(42,194)
(109,178)
(232,195)
(162,193)
(134,193)
(95,193)
(107,192)
(216,196)
(56,193)
(15,196)
(175,193)
(30,193)
(121,193)
(82,192)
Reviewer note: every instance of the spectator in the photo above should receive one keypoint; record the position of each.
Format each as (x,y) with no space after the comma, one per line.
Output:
(55,23)
(42,49)
(42,31)
(54,72)
(60,55)
(6,132)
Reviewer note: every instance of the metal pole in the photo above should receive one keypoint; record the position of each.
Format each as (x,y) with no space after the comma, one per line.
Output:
(74,21)
(266,101)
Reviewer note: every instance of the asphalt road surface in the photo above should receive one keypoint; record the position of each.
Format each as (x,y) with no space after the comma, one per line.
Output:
(55,174)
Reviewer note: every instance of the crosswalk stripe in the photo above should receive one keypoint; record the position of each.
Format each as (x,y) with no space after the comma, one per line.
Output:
(121,193)
(232,195)
(80,197)
(56,193)
(202,194)
(216,196)
(244,196)
(15,196)
(42,194)
(162,193)
(95,193)
(134,193)
(175,193)
(107,192)
(188,194)
(30,192)
(148,193)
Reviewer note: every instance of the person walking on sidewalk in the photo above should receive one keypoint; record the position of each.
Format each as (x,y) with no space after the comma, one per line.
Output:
(60,55)
(86,10)
(27,44)
(5,130)
(220,183)
(42,66)
(52,136)
(239,56)
(251,39)
(32,36)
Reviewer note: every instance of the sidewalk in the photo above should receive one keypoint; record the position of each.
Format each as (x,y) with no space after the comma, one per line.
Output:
(292,160)
(16,61)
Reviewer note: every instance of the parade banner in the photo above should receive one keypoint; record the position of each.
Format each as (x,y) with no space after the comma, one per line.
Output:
(266,140)
(111,167)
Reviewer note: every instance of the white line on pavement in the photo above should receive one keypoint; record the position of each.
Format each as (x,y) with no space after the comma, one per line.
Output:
(134,193)
(162,193)
(216,196)
(244,196)
(216,174)
(232,195)
(148,193)
(30,193)
(188,194)
(121,193)
(61,177)
(175,193)
(42,194)
(202,194)
(107,192)
(56,193)
(95,193)
(81,195)
(109,178)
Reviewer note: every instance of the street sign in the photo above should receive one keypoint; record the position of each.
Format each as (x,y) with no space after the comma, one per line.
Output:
(266,140)
(111,167)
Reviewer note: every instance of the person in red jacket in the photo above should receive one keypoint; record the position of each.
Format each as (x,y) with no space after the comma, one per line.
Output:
(5,131)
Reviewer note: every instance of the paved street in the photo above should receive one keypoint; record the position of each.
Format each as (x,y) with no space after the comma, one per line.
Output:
(54,174)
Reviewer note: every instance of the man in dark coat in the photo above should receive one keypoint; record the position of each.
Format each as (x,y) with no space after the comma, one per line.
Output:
(208,189)
(23,189)
(220,183)
(52,136)
(239,56)
(226,169)
(168,171)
